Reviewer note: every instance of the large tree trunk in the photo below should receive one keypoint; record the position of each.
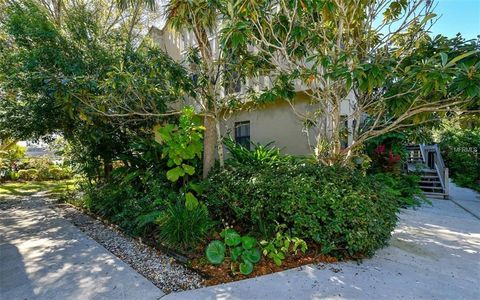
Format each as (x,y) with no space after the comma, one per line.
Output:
(209,142)
(219,143)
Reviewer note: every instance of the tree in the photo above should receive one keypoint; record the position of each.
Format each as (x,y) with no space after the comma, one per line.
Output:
(373,49)
(217,71)
(56,78)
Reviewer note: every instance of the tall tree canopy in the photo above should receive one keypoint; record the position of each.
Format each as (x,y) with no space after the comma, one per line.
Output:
(378,50)
(67,77)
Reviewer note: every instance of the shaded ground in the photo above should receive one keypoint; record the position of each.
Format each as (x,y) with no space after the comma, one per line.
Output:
(43,256)
(434,254)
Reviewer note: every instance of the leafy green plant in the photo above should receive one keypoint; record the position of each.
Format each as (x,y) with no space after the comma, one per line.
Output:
(29,174)
(182,228)
(282,245)
(242,251)
(181,145)
(460,149)
(339,208)
(260,154)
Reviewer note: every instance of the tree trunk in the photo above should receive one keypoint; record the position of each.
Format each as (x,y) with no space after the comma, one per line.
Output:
(107,168)
(219,143)
(209,142)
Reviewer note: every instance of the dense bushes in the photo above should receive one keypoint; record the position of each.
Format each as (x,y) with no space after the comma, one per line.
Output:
(127,197)
(146,204)
(337,207)
(460,150)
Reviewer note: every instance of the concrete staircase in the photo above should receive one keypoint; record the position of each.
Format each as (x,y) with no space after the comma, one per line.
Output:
(428,161)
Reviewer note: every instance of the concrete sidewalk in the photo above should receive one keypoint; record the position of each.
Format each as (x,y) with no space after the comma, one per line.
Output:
(434,254)
(43,256)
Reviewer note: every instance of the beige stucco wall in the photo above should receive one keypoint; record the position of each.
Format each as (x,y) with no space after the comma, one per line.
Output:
(168,41)
(276,123)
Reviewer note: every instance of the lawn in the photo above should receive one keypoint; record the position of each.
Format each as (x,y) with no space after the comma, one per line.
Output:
(27,188)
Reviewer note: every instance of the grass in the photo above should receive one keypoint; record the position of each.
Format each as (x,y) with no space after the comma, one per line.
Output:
(27,188)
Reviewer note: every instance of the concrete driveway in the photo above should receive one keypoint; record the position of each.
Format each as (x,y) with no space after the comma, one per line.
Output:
(434,254)
(43,256)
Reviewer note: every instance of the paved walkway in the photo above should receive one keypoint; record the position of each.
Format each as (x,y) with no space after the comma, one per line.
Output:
(434,254)
(43,256)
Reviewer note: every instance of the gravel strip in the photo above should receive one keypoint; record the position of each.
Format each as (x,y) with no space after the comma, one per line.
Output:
(160,269)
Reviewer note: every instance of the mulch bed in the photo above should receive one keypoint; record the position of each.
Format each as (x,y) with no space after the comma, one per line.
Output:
(224,273)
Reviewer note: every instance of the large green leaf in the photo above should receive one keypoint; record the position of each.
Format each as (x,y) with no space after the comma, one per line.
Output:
(460,57)
(175,173)
(191,202)
(236,252)
(246,267)
(248,242)
(215,252)
(232,238)
(252,255)
(188,169)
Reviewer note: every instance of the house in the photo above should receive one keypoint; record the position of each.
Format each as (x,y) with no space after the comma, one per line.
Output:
(280,122)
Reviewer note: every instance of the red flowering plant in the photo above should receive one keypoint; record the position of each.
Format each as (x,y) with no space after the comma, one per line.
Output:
(386,153)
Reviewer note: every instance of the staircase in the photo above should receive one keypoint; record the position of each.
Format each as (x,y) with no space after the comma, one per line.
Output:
(427,160)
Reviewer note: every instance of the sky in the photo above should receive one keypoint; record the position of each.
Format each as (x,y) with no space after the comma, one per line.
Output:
(458,16)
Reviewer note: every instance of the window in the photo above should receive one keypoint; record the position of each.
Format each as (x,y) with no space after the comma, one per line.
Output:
(242,133)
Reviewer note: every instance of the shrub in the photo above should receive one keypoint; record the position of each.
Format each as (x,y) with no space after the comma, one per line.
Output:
(58,173)
(259,155)
(29,174)
(460,149)
(42,165)
(184,229)
(405,188)
(128,196)
(336,207)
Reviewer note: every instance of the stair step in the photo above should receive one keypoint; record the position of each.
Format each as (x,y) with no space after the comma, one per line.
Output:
(428,176)
(435,195)
(431,182)
(431,187)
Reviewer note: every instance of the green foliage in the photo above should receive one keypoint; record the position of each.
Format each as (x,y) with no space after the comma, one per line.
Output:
(338,207)
(243,251)
(258,156)
(281,245)
(77,77)
(404,188)
(183,228)
(215,252)
(182,146)
(387,152)
(129,198)
(182,143)
(29,174)
(460,150)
